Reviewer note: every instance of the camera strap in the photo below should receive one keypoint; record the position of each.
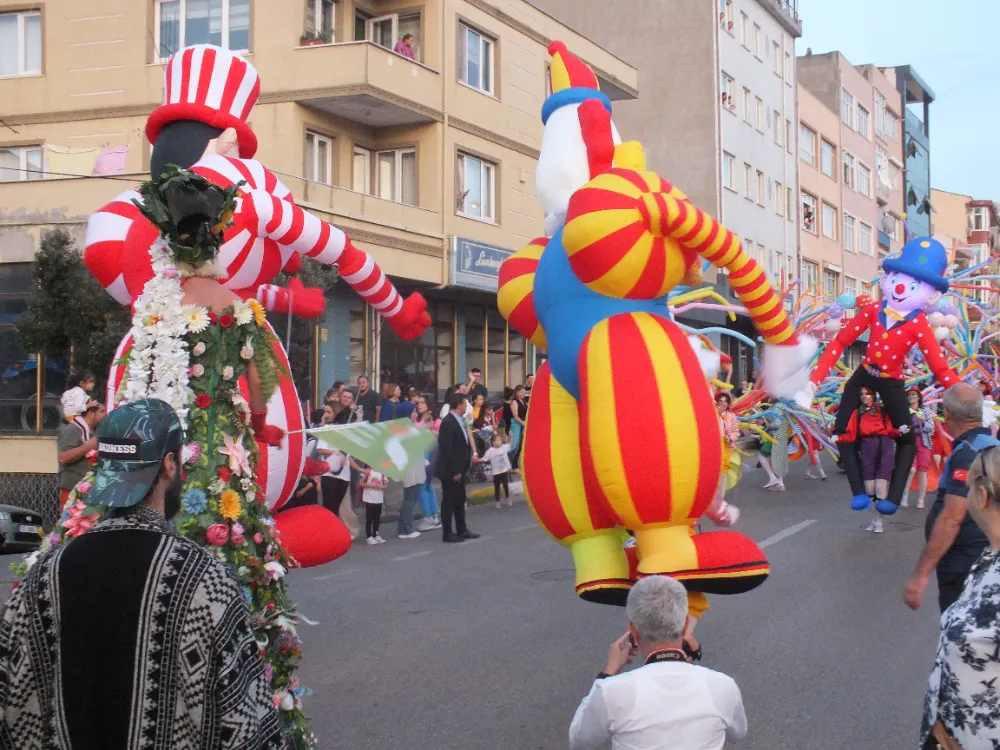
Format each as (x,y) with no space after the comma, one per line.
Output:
(667,654)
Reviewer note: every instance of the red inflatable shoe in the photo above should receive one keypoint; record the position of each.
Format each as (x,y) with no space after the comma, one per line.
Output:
(312,535)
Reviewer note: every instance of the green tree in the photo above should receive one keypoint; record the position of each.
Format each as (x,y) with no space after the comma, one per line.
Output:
(70,309)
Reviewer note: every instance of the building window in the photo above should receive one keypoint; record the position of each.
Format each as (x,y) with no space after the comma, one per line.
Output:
(849,226)
(758,44)
(829,221)
(728,167)
(831,283)
(779,199)
(979,219)
(319,158)
(776,58)
(847,108)
(182,23)
(760,188)
(18,407)
(389,31)
(788,68)
(727,93)
(865,238)
(476,187)
(396,175)
(891,126)
(888,223)
(789,141)
(864,180)
(761,114)
(20,163)
(789,204)
(728,16)
(828,159)
(475,59)
(750,249)
(863,122)
(20,43)
(778,130)
(850,285)
(808,212)
(810,276)
(879,115)
(807,144)
(849,171)
(319,21)
(427,363)
(882,169)
(361,178)
(745,30)
(747,107)
(748,182)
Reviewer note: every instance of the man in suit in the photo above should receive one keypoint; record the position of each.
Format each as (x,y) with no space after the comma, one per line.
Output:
(454,457)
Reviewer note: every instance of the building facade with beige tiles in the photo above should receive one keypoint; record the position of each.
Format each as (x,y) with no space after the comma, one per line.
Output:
(414,125)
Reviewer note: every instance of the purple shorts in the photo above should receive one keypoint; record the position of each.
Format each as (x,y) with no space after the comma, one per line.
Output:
(877,457)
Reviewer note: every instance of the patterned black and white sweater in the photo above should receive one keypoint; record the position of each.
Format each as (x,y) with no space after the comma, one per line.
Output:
(132,637)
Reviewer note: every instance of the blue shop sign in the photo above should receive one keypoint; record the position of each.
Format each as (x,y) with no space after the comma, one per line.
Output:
(477,265)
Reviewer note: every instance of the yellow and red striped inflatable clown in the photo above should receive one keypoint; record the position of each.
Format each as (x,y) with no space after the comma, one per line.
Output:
(623,431)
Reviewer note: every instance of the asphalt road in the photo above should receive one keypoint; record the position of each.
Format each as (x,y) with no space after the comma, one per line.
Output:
(484,644)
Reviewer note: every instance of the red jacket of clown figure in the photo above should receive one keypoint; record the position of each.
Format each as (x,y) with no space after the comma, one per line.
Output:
(268,232)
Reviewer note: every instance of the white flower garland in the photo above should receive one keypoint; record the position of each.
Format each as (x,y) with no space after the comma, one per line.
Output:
(158,364)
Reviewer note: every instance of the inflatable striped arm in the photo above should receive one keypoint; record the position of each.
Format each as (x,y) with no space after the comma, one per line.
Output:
(268,213)
(104,242)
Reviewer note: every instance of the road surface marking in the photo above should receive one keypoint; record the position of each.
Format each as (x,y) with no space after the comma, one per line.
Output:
(411,556)
(785,533)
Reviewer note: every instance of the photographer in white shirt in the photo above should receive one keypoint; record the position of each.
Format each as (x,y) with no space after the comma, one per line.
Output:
(667,702)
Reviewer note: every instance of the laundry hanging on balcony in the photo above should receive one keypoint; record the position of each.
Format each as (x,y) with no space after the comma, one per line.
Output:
(111,161)
(62,161)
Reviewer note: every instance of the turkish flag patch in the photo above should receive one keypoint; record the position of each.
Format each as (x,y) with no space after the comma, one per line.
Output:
(960,475)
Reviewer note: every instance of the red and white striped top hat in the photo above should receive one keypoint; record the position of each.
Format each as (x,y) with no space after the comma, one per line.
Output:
(210,85)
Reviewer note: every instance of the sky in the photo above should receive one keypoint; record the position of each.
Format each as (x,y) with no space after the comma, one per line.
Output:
(954,46)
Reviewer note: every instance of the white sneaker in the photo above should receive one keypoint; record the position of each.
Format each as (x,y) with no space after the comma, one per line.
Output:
(904,503)
(371,540)
(629,543)
(810,475)
(771,484)
(411,535)
(379,539)
(778,486)
(877,526)
(436,521)
(870,526)
(920,503)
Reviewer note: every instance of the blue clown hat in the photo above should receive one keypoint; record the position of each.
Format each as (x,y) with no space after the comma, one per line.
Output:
(923,258)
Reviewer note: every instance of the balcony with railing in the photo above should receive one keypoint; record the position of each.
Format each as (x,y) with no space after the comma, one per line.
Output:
(787,14)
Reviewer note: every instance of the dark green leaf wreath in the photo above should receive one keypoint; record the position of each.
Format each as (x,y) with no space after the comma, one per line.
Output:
(191,213)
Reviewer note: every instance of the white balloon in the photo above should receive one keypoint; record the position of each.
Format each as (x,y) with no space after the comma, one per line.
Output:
(941,333)
(935,319)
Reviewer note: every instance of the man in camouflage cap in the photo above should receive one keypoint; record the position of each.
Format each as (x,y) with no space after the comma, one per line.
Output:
(179,666)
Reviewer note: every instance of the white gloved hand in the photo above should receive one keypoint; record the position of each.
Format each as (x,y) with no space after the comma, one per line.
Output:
(989,413)
(904,429)
(786,370)
(709,360)
(554,221)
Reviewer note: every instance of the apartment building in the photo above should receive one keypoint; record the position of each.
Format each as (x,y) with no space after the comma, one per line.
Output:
(850,159)
(715,115)
(917,98)
(970,229)
(423,151)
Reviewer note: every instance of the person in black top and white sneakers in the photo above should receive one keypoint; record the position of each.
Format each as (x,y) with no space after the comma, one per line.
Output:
(453,460)
(668,702)
(954,541)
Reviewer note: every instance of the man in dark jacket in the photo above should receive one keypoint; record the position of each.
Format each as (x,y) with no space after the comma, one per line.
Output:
(453,459)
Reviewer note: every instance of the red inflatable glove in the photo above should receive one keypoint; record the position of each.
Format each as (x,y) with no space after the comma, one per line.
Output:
(314,468)
(302,301)
(264,432)
(412,319)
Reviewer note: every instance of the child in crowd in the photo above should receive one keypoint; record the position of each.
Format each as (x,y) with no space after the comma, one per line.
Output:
(923,424)
(498,455)
(78,391)
(871,429)
(372,486)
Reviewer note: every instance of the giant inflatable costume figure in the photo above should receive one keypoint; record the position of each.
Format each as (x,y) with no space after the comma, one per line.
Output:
(911,282)
(599,459)
(209,94)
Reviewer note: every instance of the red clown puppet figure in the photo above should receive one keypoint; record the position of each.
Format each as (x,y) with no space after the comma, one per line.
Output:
(209,94)
(910,283)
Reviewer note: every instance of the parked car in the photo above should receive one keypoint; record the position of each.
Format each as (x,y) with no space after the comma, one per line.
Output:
(20,529)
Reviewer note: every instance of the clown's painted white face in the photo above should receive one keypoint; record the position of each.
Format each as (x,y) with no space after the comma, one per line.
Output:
(905,294)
